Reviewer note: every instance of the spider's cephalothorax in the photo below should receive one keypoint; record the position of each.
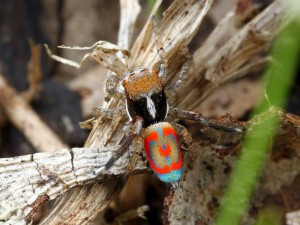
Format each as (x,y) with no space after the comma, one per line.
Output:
(145,96)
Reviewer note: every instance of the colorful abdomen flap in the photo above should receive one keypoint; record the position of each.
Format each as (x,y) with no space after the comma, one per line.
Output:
(163,152)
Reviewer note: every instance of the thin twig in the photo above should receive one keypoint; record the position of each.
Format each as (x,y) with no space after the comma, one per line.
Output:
(27,121)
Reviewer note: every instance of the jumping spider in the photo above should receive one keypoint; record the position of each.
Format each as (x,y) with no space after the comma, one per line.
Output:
(147,108)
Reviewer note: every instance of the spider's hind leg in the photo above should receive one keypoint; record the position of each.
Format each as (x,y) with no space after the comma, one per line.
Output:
(138,147)
(187,139)
(196,116)
(134,129)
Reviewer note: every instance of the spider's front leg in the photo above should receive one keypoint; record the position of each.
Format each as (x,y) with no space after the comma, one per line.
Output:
(108,113)
(102,112)
(162,70)
(196,116)
(113,87)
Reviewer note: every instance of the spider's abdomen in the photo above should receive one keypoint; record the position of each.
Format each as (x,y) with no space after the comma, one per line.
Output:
(163,151)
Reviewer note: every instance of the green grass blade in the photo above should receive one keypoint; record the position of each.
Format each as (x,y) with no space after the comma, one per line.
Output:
(278,79)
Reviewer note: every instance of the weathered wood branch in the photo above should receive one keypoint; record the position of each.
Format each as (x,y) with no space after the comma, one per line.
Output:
(27,181)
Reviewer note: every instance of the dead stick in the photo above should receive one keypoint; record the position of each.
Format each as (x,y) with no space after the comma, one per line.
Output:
(27,121)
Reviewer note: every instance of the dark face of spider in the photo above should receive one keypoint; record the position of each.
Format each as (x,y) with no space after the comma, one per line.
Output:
(145,96)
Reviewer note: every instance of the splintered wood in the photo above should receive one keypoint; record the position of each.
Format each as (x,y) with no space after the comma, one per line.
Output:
(27,181)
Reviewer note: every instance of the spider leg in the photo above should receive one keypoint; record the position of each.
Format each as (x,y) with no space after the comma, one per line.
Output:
(114,87)
(108,113)
(177,86)
(138,147)
(102,112)
(196,116)
(135,128)
(187,138)
(162,70)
